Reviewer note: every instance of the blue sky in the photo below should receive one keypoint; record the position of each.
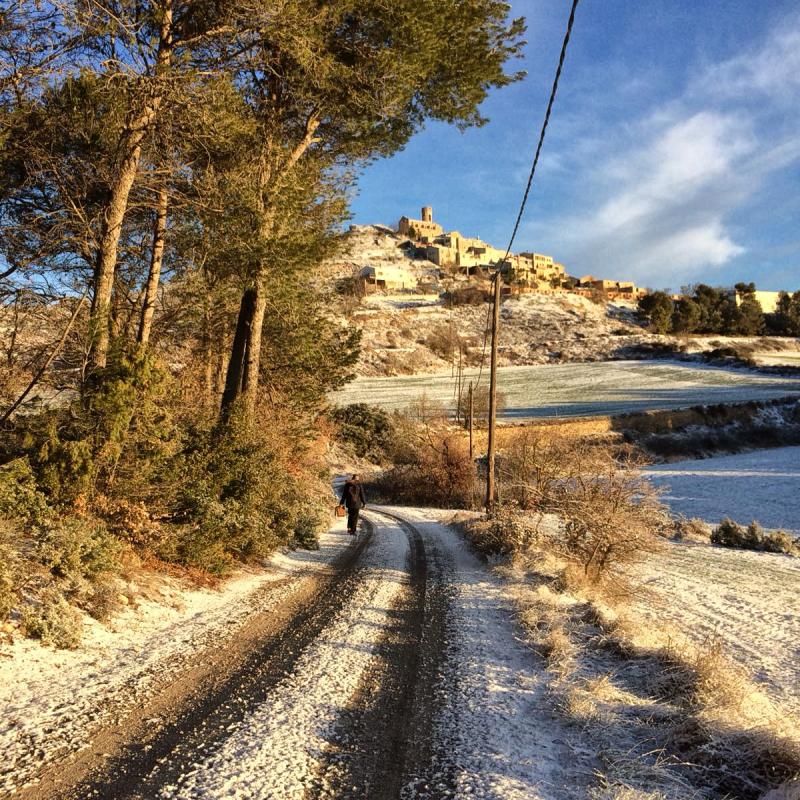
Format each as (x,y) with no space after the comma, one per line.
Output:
(673,155)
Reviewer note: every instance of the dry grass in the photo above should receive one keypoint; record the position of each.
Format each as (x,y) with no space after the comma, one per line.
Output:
(668,719)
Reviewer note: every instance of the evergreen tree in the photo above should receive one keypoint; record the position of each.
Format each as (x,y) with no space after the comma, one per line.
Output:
(686,316)
(657,308)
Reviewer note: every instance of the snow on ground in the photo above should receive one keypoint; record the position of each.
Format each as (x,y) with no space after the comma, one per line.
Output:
(572,390)
(786,359)
(748,601)
(277,751)
(495,731)
(762,485)
(52,699)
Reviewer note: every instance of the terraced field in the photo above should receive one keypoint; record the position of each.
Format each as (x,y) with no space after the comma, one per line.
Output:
(584,389)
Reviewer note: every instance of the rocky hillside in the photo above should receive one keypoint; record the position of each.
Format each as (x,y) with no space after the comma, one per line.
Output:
(411,333)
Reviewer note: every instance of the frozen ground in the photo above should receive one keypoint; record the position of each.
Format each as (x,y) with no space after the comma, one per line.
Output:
(574,390)
(51,700)
(763,485)
(748,601)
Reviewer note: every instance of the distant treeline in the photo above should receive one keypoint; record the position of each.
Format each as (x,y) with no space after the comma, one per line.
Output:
(705,309)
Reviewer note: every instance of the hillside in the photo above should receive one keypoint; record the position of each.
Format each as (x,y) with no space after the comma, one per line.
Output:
(407,332)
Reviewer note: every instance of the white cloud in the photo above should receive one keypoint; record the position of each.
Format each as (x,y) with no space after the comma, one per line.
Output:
(657,202)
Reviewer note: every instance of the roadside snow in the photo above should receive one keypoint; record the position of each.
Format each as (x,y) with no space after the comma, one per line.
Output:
(763,485)
(496,734)
(52,700)
(748,601)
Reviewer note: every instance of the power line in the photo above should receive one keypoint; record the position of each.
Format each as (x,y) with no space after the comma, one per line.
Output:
(490,484)
(550,102)
(548,112)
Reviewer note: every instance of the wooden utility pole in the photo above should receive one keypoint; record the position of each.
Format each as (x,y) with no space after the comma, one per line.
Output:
(471,417)
(491,492)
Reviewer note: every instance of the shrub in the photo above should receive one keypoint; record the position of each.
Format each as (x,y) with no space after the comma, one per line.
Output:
(466,296)
(691,530)
(436,470)
(611,513)
(8,570)
(753,537)
(129,521)
(243,492)
(729,534)
(76,549)
(444,341)
(504,533)
(53,620)
(780,542)
(20,497)
(365,429)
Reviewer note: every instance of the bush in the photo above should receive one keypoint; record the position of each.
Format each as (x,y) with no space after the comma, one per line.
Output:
(53,620)
(77,549)
(8,575)
(780,542)
(244,492)
(466,296)
(444,341)
(436,470)
(20,498)
(365,429)
(691,530)
(611,513)
(504,533)
(730,534)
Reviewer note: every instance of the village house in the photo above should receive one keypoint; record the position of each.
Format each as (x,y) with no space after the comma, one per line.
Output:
(454,250)
(767,300)
(388,278)
(614,290)
(537,271)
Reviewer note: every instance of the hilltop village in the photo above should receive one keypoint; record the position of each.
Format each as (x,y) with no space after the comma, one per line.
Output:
(428,253)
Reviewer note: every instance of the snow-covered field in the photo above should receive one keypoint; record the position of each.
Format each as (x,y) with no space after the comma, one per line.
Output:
(574,390)
(763,485)
(783,359)
(747,601)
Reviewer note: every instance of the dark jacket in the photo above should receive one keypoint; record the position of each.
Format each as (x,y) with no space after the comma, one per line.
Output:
(353,495)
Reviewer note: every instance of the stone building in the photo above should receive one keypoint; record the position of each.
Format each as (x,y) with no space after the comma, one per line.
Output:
(615,290)
(385,278)
(423,230)
(767,300)
(463,252)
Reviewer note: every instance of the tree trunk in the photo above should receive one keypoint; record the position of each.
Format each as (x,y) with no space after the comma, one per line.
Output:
(245,361)
(253,351)
(131,154)
(234,377)
(112,228)
(154,275)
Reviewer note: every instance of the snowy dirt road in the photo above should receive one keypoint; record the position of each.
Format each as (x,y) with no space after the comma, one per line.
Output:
(403,675)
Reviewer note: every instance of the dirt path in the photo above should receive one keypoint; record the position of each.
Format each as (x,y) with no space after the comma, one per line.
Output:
(396,673)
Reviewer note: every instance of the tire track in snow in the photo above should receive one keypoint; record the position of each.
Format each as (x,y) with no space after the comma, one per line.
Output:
(385,735)
(494,735)
(276,749)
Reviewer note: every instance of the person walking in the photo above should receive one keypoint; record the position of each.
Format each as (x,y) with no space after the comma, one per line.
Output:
(353,499)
